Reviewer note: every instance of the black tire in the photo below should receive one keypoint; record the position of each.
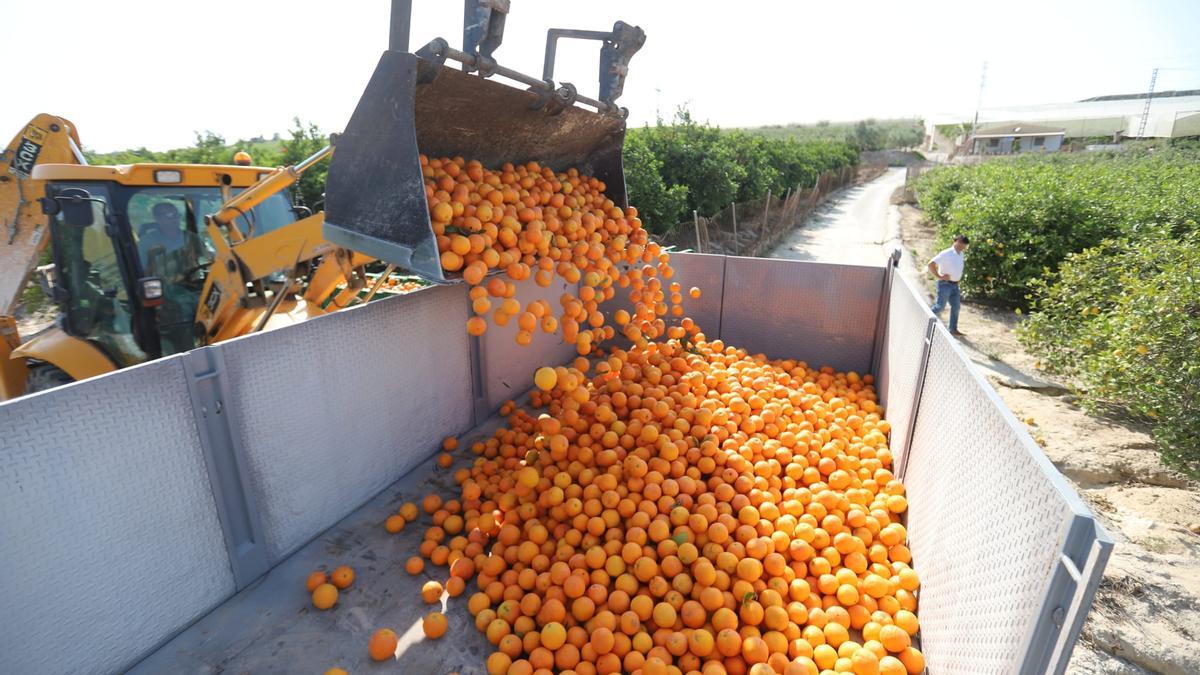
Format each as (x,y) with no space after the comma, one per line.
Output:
(46,376)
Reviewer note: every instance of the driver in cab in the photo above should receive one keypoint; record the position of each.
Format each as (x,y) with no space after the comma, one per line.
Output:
(167,251)
(173,255)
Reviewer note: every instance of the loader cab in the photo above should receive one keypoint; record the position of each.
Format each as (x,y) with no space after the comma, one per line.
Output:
(131,249)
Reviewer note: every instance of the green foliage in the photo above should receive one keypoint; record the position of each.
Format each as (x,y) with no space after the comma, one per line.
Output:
(869,134)
(703,168)
(1122,319)
(211,148)
(1025,215)
(693,155)
(953,131)
(305,141)
(660,207)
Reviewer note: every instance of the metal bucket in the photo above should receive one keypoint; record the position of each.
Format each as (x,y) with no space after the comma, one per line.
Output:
(375,195)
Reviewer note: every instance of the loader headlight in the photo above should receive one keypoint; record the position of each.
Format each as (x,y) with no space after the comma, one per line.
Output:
(168,176)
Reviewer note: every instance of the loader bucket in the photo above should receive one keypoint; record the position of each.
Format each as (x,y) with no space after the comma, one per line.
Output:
(375,195)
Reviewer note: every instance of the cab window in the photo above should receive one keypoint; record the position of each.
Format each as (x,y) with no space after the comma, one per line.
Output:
(98,306)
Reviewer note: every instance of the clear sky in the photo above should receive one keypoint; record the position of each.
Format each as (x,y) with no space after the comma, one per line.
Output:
(152,73)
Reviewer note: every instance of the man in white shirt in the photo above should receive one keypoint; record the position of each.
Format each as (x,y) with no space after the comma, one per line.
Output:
(947,266)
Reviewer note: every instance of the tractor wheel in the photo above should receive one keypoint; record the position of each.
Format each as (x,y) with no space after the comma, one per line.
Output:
(46,376)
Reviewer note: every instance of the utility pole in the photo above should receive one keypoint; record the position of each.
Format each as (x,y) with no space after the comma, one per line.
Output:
(1146,110)
(979,100)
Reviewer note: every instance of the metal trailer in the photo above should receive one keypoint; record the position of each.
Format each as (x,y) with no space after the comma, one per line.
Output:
(163,518)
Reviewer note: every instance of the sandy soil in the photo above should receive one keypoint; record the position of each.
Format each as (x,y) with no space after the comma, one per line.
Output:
(1146,616)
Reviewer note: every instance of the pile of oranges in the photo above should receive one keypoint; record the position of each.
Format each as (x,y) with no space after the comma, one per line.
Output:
(530,222)
(681,506)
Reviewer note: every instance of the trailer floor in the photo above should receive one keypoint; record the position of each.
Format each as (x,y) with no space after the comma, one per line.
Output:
(272,627)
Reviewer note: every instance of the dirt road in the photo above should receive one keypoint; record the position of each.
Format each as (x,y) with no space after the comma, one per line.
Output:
(852,228)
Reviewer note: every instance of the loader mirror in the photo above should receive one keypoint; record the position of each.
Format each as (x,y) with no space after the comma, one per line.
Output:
(49,206)
(76,207)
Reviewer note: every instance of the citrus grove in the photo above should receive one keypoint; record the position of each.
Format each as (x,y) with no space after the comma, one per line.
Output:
(680,506)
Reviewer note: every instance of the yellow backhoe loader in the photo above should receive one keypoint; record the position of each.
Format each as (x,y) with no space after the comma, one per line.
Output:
(154,259)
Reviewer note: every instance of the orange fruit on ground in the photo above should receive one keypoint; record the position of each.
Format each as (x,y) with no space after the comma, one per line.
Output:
(409,511)
(342,577)
(315,579)
(434,625)
(431,591)
(324,596)
(394,523)
(382,645)
(445,460)
(415,565)
(455,586)
(449,443)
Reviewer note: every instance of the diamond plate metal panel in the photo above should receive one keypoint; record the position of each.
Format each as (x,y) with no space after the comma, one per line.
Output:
(822,313)
(507,366)
(109,538)
(904,344)
(332,410)
(706,272)
(988,520)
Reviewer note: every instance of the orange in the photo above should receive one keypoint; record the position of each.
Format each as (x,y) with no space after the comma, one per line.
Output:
(324,596)
(315,579)
(664,615)
(754,650)
(409,511)
(890,665)
(864,662)
(434,625)
(394,524)
(913,660)
(382,645)
(498,663)
(414,566)
(553,635)
(728,642)
(342,577)
(431,591)
(894,639)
